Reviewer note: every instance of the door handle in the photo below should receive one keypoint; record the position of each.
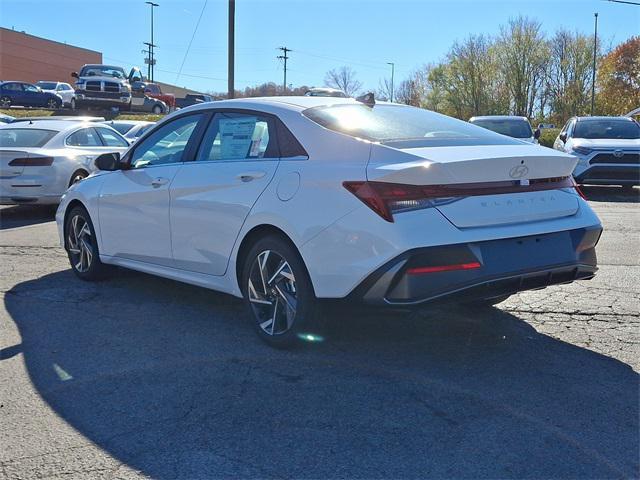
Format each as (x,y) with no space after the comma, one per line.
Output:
(248,176)
(158,182)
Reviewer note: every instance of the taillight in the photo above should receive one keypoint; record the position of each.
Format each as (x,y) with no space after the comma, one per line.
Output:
(388,198)
(580,192)
(31,162)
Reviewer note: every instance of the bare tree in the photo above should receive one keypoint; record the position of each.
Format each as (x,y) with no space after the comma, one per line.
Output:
(384,90)
(522,53)
(343,78)
(569,73)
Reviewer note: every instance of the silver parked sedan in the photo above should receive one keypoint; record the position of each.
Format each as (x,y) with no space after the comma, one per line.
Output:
(39,160)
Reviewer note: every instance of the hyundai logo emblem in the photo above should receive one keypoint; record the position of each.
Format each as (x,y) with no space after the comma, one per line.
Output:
(618,153)
(519,171)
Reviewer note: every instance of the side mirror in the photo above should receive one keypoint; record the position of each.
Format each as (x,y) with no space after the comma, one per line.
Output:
(108,162)
(138,86)
(536,134)
(75,75)
(563,137)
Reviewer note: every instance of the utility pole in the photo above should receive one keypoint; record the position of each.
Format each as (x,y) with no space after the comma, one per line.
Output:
(149,59)
(232,46)
(151,45)
(284,57)
(393,68)
(593,77)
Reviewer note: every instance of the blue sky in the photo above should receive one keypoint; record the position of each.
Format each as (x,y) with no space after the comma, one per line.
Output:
(322,34)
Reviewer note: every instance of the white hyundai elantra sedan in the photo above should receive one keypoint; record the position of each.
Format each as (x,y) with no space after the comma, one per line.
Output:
(39,159)
(288,201)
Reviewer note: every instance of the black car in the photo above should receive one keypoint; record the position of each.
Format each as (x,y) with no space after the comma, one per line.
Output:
(27,95)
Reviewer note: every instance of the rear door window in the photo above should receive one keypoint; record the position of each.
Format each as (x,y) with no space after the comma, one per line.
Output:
(234,137)
(85,137)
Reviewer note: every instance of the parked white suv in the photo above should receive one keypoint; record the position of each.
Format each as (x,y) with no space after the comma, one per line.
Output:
(64,90)
(608,149)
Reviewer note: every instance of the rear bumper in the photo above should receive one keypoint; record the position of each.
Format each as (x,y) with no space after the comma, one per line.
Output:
(610,175)
(506,266)
(30,200)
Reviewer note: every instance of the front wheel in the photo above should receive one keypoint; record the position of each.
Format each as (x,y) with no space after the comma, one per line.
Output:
(73,104)
(82,246)
(278,293)
(53,104)
(5,102)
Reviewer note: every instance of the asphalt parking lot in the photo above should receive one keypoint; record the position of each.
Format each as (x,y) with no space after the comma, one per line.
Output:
(138,376)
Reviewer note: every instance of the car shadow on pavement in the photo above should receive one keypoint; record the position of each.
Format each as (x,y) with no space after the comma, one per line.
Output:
(24,215)
(611,194)
(170,380)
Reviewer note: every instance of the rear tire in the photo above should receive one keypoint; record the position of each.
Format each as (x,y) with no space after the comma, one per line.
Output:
(5,102)
(82,246)
(78,177)
(278,293)
(157,109)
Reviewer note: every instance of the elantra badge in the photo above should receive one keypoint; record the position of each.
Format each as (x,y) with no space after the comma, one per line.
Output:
(519,171)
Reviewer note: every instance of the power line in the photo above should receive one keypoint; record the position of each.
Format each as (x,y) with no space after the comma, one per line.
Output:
(623,1)
(284,57)
(191,41)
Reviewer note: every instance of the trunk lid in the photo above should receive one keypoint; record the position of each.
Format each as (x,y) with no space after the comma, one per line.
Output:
(481,165)
(466,164)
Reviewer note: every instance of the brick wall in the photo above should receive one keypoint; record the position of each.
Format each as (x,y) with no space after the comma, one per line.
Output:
(28,58)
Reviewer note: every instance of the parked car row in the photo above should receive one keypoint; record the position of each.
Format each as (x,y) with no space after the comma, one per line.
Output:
(41,157)
(607,148)
(221,195)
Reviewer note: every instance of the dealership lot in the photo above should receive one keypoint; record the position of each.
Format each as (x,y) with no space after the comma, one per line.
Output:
(141,376)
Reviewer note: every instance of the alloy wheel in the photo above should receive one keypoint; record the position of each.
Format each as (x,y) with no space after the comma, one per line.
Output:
(80,244)
(52,104)
(272,293)
(5,102)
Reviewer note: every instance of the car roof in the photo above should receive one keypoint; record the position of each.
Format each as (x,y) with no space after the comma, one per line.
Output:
(57,125)
(102,65)
(52,118)
(126,122)
(603,117)
(296,103)
(499,117)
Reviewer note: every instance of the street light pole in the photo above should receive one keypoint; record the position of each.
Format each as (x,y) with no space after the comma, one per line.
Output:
(393,67)
(230,79)
(593,76)
(152,45)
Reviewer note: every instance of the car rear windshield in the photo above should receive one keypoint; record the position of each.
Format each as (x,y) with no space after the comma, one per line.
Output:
(402,126)
(121,128)
(613,129)
(513,127)
(25,137)
(47,85)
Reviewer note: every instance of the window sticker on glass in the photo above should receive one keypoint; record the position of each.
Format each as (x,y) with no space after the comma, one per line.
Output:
(236,136)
